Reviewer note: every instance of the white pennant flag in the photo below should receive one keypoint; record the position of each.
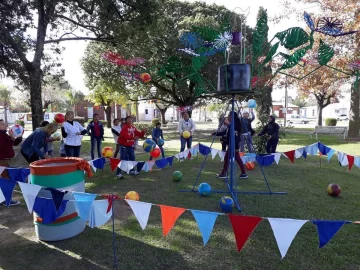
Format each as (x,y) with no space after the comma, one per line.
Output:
(185,153)
(343,159)
(92,165)
(29,192)
(277,157)
(2,197)
(214,152)
(285,231)
(221,155)
(299,152)
(141,211)
(2,169)
(126,165)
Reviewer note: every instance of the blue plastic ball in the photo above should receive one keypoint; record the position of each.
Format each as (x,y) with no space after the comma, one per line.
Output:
(160,142)
(204,189)
(149,145)
(226,204)
(252,104)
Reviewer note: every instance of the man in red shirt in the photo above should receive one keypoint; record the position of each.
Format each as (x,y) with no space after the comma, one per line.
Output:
(126,140)
(7,152)
(96,132)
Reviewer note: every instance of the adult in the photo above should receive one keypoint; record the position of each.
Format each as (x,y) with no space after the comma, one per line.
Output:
(95,130)
(223,128)
(238,130)
(248,132)
(115,130)
(32,148)
(127,137)
(186,124)
(72,132)
(272,131)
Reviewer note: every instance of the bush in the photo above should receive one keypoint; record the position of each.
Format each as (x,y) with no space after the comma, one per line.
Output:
(155,120)
(330,122)
(141,126)
(20,122)
(81,120)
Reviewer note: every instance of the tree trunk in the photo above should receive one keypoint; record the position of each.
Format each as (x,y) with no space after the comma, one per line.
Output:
(5,115)
(35,98)
(108,116)
(319,117)
(190,113)
(162,112)
(354,123)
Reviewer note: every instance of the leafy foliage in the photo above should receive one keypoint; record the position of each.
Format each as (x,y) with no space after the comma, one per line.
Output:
(330,122)
(292,38)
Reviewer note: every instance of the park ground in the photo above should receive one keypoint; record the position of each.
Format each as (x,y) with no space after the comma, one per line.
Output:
(305,181)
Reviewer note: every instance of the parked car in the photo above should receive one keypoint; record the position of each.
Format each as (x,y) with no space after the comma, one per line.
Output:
(297,119)
(342,117)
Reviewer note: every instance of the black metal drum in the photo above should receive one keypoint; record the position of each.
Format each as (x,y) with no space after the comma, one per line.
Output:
(238,78)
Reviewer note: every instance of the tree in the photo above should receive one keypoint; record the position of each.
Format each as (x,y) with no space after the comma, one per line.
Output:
(56,21)
(53,90)
(300,102)
(5,100)
(74,97)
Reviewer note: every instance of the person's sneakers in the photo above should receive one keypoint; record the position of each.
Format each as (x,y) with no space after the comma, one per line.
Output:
(182,159)
(133,172)
(12,203)
(221,175)
(119,176)
(243,176)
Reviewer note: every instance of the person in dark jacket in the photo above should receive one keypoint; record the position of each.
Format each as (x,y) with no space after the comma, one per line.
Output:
(95,130)
(272,131)
(238,131)
(157,134)
(7,152)
(224,127)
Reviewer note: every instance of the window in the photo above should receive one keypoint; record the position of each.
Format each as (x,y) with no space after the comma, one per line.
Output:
(313,112)
(146,111)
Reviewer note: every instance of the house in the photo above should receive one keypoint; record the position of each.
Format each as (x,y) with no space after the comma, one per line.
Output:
(279,107)
(333,110)
(87,109)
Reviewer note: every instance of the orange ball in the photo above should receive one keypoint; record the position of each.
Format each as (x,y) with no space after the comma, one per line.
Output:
(107,152)
(250,166)
(132,195)
(145,77)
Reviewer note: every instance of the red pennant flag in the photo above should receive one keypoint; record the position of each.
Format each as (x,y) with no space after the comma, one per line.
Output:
(351,160)
(114,162)
(169,215)
(243,226)
(290,155)
(189,155)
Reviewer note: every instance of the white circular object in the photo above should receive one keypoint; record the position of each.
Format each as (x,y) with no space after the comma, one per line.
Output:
(56,135)
(16,131)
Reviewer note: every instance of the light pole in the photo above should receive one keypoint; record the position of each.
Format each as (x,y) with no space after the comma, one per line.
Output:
(286,101)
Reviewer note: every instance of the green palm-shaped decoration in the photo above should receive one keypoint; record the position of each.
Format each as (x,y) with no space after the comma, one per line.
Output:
(294,59)
(325,53)
(271,53)
(292,37)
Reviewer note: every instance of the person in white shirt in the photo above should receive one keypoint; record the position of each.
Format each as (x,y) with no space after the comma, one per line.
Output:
(186,124)
(72,133)
(115,130)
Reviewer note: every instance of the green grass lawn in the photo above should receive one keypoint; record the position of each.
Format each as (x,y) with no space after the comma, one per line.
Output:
(305,181)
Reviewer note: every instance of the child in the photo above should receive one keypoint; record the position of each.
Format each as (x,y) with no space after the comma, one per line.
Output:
(95,130)
(115,130)
(62,148)
(48,147)
(7,152)
(157,134)
(223,138)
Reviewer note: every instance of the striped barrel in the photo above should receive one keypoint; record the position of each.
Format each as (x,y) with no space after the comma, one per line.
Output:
(63,174)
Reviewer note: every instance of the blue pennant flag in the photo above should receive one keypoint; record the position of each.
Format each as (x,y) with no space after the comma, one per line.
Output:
(19,174)
(58,196)
(304,154)
(204,150)
(7,186)
(327,229)
(99,163)
(84,202)
(170,160)
(265,160)
(323,149)
(140,165)
(312,149)
(205,221)
(330,154)
(161,163)
(45,208)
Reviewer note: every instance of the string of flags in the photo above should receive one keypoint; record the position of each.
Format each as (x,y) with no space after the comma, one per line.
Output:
(98,212)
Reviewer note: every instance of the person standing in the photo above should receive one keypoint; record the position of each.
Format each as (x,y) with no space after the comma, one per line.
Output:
(248,131)
(115,130)
(7,152)
(223,128)
(95,130)
(238,131)
(186,124)
(72,132)
(48,147)
(32,148)
(157,134)
(127,137)
(272,131)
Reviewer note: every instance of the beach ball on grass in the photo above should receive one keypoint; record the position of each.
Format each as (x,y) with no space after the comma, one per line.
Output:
(177,176)
(226,204)
(186,134)
(149,145)
(334,190)
(16,131)
(132,195)
(250,166)
(107,152)
(204,189)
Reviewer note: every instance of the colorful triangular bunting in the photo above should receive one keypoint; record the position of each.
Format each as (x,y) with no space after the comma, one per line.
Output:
(141,211)
(290,155)
(114,162)
(327,229)
(83,204)
(98,215)
(205,221)
(351,160)
(7,186)
(169,215)
(29,192)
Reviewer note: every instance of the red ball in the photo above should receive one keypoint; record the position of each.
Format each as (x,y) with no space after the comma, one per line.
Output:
(334,190)
(59,118)
(155,153)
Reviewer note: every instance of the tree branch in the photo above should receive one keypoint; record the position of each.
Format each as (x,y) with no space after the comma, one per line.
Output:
(79,38)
